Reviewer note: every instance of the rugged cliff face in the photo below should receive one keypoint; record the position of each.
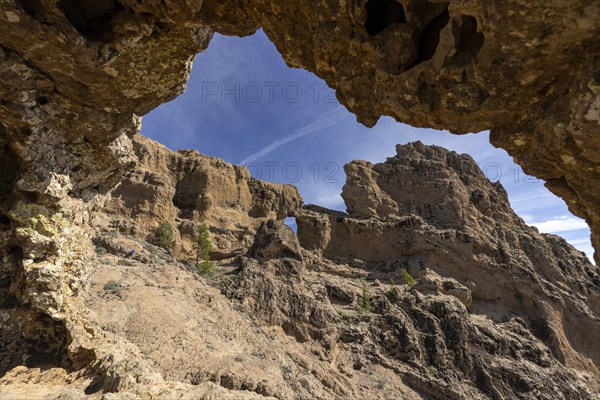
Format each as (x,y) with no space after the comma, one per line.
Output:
(431,208)
(181,187)
(77,76)
(411,294)
(527,71)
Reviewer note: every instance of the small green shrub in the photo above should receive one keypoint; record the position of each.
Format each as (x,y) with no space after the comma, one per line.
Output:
(366,304)
(164,236)
(113,286)
(286,371)
(203,249)
(379,380)
(101,251)
(126,263)
(408,279)
(206,268)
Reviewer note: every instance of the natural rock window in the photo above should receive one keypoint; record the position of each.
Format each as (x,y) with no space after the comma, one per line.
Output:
(383,13)
(291,222)
(427,274)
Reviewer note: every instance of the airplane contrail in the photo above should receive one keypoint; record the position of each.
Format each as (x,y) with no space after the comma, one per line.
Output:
(326,120)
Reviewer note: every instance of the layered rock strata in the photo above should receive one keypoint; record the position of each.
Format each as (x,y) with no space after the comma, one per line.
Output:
(409,294)
(527,71)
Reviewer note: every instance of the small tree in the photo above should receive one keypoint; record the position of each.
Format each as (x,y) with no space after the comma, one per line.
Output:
(366,304)
(165,235)
(203,249)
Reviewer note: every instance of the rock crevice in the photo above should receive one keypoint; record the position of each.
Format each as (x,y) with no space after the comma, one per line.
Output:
(77,174)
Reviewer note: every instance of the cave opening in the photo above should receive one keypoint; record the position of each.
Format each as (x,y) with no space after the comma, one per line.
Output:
(93,19)
(382,14)
(470,39)
(291,130)
(243,104)
(429,38)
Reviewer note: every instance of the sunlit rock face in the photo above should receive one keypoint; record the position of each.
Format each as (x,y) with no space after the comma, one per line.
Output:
(77,76)
(184,186)
(489,295)
(430,291)
(430,208)
(527,71)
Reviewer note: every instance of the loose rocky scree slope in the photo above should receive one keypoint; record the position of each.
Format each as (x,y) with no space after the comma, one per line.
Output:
(497,310)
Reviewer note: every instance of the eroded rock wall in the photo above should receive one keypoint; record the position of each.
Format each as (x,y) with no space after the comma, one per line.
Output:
(77,76)
(430,208)
(183,187)
(387,301)
(527,71)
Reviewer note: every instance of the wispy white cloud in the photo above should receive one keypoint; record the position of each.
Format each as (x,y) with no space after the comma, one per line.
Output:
(560,224)
(332,200)
(326,120)
(582,241)
(537,197)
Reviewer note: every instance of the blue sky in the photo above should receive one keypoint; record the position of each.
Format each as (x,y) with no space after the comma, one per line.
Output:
(246,106)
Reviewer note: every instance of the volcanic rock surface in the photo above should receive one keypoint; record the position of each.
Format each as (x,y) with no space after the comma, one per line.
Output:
(497,310)
(414,293)
(526,70)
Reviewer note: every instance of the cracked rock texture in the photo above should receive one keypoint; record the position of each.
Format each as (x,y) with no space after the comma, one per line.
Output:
(497,310)
(421,298)
(180,187)
(526,70)
(427,206)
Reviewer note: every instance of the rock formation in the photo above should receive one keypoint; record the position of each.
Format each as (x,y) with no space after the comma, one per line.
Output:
(411,294)
(180,187)
(527,71)
(431,208)
(498,310)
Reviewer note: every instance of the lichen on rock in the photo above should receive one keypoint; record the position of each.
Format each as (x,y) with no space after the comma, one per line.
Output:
(498,309)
